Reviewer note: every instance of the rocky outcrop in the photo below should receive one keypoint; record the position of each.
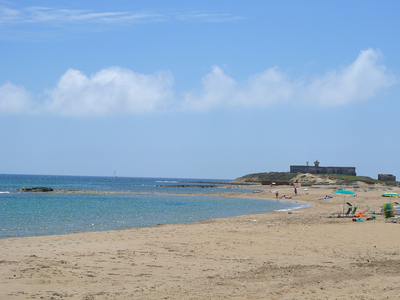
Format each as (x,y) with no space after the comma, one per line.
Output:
(36,190)
(259,177)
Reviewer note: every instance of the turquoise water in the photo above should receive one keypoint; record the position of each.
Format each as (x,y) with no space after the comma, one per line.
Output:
(131,203)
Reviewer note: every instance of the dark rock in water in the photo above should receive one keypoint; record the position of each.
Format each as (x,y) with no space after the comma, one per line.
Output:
(37,190)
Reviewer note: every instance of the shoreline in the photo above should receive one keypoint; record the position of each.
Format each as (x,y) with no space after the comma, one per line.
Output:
(274,255)
(284,203)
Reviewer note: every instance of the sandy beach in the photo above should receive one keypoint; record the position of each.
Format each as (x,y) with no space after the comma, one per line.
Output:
(300,255)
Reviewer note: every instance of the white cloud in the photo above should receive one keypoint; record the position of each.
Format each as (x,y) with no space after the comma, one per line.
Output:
(110,91)
(50,15)
(38,22)
(208,17)
(264,89)
(360,80)
(217,88)
(8,15)
(260,90)
(115,91)
(14,100)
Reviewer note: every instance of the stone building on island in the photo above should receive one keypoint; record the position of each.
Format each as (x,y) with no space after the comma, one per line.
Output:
(316,169)
(386,177)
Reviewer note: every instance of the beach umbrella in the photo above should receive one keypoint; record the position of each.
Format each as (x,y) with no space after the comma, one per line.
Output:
(344,193)
(391,195)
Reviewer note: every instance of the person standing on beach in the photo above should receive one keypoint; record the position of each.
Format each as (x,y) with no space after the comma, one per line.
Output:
(295,191)
(276,195)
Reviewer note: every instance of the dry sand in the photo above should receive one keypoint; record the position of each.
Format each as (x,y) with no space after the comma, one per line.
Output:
(304,255)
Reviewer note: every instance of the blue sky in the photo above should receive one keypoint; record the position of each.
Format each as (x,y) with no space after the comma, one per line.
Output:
(190,89)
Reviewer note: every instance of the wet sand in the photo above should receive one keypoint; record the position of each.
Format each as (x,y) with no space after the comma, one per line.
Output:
(300,255)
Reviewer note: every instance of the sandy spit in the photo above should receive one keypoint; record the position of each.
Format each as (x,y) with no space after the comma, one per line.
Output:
(300,255)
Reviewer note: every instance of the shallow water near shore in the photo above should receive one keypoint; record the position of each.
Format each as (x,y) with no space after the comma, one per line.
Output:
(116,203)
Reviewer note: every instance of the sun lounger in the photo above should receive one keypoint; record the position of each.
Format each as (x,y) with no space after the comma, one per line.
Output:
(374,212)
(340,215)
(354,210)
(394,219)
(351,212)
(348,214)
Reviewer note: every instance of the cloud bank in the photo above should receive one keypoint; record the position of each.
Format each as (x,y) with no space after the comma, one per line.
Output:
(115,91)
(361,80)
(111,91)
(219,90)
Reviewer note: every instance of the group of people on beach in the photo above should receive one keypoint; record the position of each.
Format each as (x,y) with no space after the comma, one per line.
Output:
(284,196)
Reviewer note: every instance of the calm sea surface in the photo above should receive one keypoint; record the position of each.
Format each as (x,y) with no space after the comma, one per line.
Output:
(130,203)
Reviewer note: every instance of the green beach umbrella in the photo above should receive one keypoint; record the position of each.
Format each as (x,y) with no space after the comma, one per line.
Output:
(390,194)
(344,193)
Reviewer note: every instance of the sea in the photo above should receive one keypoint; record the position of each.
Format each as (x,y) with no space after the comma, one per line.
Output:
(115,203)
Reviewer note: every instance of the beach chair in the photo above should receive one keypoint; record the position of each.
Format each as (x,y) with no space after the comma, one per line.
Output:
(374,212)
(349,212)
(388,212)
(355,209)
(352,210)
